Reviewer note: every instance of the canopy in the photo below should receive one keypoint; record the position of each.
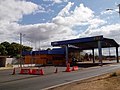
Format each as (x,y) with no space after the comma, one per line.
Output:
(88,42)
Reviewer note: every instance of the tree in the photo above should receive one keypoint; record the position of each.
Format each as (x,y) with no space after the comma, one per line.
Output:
(48,48)
(26,48)
(2,50)
(13,49)
(6,47)
(6,44)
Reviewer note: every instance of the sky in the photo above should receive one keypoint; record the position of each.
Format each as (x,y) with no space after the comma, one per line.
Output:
(44,21)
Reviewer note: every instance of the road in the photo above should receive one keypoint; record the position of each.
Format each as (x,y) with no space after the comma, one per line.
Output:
(46,81)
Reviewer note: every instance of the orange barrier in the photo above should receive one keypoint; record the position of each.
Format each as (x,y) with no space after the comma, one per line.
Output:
(75,68)
(41,72)
(35,71)
(25,71)
(68,68)
(56,70)
(13,73)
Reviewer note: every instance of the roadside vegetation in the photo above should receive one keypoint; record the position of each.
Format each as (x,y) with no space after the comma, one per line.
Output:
(12,49)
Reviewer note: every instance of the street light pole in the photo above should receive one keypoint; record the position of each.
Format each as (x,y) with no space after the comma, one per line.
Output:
(119,9)
(113,9)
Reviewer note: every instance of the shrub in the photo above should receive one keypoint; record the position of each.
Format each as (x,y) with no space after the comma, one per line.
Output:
(113,74)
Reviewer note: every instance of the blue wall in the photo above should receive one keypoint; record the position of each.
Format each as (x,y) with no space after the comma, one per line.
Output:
(53,51)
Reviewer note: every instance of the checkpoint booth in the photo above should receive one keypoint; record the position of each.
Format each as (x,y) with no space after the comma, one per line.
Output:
(88,43)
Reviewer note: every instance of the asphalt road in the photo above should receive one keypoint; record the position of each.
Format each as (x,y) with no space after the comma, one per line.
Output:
(46,81)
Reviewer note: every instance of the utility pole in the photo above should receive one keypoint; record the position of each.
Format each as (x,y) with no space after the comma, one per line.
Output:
(21,47)
(20,50)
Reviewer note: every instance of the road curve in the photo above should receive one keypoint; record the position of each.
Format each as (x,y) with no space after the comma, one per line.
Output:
(53,80)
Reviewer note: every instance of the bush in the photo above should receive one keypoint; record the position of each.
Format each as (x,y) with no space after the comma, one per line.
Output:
(113,74)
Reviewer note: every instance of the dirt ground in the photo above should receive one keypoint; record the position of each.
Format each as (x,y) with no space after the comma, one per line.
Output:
(109,81)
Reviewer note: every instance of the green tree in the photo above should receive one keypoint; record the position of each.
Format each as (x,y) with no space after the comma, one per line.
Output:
(48,48)
(6,44)
(17,48)
(26,48)
(13,49)
(2,50)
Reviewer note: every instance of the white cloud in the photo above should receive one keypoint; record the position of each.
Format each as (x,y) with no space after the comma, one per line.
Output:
(94,23)
(78,16)
(46,33)
(57,1)
(60,27)
(11,11)
(65,10)
(107,12)
(110,31)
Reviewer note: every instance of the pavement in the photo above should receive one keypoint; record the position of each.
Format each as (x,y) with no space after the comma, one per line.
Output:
(6,73)
(5,68)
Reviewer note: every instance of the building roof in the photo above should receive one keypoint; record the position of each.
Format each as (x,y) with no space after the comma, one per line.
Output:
(88,42)
(53,51)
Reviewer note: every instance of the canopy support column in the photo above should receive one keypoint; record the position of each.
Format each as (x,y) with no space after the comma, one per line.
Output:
(66,50)
(100,52)
(117,57)
(93,55)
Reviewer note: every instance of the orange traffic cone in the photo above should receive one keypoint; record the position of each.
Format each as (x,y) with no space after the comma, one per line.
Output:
(41,72)
(68,68)
(13,71)
(56,70)
(73,68)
